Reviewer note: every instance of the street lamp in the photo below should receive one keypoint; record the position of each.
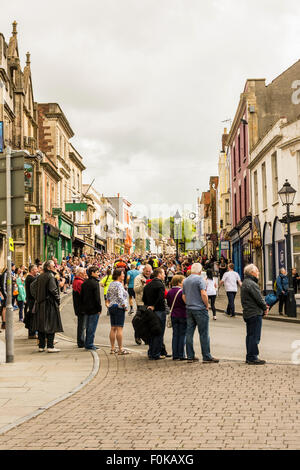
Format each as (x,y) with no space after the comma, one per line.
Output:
(177,220)
(287,195)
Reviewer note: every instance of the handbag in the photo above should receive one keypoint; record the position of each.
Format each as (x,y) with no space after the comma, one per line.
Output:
(169,319)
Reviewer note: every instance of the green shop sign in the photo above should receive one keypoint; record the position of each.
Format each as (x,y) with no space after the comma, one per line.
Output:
(75,206)
(65,228)
(56,211)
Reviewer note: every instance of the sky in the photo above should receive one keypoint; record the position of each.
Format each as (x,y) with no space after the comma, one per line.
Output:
(146,84)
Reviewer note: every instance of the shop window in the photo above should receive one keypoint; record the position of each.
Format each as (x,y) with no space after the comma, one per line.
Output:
(255,192)
(264,184)
(269,263)
(274,177)
(296,252)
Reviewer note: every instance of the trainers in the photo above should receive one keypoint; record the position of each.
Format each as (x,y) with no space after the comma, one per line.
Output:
(41,349)
(53,350)
(212,360)
(194,359)
(257,362)
(138,341)
(214,317)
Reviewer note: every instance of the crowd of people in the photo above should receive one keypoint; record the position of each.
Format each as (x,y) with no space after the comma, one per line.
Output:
(157,291)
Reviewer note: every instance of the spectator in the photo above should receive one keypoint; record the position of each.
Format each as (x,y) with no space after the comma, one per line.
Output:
(231,280)
(211,289)
(80,277)
(117,303)
(28,320)
(178,318)
(195,297)
(254,307)
(91,306)
(282,286)
(154,299)
(47,319)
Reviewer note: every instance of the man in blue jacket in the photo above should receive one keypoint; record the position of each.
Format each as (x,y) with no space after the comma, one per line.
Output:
(282,282)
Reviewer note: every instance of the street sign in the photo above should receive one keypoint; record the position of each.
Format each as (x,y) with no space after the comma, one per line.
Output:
(56,211)
(17,191)
(35,219)
(75,206)
(11,244)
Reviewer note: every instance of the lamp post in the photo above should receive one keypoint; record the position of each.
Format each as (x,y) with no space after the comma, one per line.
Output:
(177,219)
(287,196)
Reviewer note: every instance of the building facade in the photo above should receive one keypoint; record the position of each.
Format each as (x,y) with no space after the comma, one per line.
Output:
(274,159)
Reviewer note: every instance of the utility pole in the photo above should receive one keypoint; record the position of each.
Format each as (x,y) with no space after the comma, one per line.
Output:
(9,325)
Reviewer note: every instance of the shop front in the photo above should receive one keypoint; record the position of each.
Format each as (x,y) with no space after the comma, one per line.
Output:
(241,245)
(51,241)
(65,240)
(100,244)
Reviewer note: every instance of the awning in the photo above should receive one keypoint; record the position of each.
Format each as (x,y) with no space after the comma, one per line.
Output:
(83,243)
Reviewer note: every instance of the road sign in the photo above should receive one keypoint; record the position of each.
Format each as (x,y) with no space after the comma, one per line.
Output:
(17,191)
(11,244)
(35,219)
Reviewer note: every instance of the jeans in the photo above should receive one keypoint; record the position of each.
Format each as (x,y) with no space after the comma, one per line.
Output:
(282,302)
(42,340)
(254,325)
(179,337)
(212,299)
(81,326)
(200,319)
(21,308)
(156,342)
(230,307)
(91,326)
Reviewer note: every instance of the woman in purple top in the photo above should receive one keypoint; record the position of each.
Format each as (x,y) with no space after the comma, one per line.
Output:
(178,317)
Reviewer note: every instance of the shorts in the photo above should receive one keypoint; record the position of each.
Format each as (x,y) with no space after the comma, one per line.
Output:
(3,302)
(117,316)
(131,292)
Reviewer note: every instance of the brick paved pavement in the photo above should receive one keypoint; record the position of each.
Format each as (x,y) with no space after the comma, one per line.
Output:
(136,404)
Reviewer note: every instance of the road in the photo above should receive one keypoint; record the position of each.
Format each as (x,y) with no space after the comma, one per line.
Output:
(227,336)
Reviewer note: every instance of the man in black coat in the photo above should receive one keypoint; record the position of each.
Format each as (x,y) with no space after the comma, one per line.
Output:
(254,307)
(32,275)
(154,299)
(91,305)
(46,317)
(80,277)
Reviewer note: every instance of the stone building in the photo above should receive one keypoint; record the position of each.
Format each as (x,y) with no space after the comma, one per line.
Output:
(274,159)
(19,117)
(259,108)
(62,181)
(224,213)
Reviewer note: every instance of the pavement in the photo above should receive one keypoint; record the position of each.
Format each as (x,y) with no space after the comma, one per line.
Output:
(81,400)
(36,381)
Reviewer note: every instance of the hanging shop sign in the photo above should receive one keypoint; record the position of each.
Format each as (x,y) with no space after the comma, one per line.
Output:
(83,230)
(28,177)
(75,206)
(56,211)
(35,219)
